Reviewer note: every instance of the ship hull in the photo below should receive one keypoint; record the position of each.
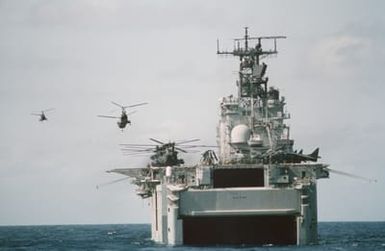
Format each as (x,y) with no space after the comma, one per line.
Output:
(234,216)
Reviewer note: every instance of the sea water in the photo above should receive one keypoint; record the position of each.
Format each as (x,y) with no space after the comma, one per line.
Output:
(332,236)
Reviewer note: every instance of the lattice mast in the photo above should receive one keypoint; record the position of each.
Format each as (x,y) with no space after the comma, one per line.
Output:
(252,83)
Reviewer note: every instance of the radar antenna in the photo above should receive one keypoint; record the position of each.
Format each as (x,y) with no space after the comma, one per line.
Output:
(252,85)
(254,52)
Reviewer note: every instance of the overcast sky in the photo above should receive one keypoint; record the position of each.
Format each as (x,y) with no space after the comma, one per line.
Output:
(77,56)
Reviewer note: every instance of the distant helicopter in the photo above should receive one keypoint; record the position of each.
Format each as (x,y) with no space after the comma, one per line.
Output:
(123,119)
(42,115)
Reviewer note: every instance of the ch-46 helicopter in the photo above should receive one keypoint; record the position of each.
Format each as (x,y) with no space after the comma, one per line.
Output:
(42,115)
(123,119)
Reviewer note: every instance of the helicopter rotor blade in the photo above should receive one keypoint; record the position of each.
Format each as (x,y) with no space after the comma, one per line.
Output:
(143,145)
(136,153)
(199,146)
(180,149)
(110,117)
(186,141)
(48,110)
(117,104)
(136,150)
(36,114)
(130,113)
(139,104)
(136,147)
(157,141)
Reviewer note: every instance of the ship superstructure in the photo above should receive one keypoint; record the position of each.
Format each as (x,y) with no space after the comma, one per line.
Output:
(257,191)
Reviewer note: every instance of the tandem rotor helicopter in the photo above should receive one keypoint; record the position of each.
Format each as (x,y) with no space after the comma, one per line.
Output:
(42,115)
(123,119)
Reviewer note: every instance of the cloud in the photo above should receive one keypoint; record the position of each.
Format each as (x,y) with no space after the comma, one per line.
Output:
(341,50)
(355,52)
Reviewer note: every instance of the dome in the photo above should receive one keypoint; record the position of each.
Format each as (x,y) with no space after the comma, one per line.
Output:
(240,134)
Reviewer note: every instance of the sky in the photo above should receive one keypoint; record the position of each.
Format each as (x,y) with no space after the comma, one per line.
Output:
(77,56)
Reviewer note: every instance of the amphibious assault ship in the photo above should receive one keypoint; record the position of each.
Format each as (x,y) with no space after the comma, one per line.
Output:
(258,191)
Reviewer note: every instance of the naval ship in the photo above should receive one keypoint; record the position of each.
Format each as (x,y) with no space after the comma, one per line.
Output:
(254,189)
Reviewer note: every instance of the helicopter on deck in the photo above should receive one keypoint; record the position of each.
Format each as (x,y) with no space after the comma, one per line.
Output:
(42,115)
(123,118)
(163,154)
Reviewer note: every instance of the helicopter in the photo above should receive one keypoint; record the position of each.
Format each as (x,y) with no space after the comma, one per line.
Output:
(163,156)
(161,153)
(123,119)
(42,115)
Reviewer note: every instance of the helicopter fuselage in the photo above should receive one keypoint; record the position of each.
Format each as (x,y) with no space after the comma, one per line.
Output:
(42,117)
(122,124)
(123,121)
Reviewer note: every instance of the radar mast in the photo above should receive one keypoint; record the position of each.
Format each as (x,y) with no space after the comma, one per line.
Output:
(258,107)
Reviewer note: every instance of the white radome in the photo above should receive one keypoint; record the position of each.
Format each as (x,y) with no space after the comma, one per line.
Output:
(240,134)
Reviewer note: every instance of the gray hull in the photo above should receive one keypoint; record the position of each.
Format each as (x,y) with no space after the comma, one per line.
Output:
(184,214)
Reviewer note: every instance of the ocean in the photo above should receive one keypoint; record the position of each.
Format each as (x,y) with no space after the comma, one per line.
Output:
(332,236)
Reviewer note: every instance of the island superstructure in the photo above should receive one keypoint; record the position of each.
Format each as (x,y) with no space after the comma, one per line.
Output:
(259,190)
